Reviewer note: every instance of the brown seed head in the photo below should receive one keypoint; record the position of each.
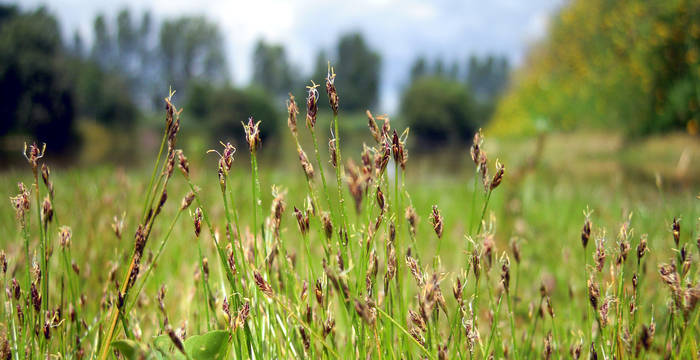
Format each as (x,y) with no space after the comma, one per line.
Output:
(333,152)
(305,164)
(457,290)
(600,255)
(330,89)
(243,314)
(476,147)
(380,199)
(575,351)
(593,293)
(498,177)
(412,218)
(64,236)
(586,232)
(437,221)
(252,134)
(515,248)
(21,202)
(197,221)
(417,320)
(669,276)
(327,225)
(311,105)
(292,111)
(187,200)
(374,128)
(319,292)
(34,154)
(183,164)
(46,211)
(642,248)
(302,220)
(15,289)
(676,230)
(328,326)
(415,270)
(175,339)
(505,273)
(262,284)
(36,297)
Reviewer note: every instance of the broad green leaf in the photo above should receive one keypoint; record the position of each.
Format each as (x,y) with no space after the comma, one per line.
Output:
(211,345)
(131,350)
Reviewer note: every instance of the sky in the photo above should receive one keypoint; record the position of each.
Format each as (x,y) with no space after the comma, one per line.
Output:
(400,30)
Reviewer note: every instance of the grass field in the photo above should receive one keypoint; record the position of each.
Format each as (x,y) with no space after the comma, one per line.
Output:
(499,272)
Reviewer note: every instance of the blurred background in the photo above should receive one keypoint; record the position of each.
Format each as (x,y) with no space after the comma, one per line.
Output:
(618,81)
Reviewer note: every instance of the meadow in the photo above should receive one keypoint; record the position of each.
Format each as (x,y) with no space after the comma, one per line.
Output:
(568,245)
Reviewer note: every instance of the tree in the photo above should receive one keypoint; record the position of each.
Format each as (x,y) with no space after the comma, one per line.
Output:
(358,73)
(35,97)
(222,108)
(439,111)
(271,71)
(488,76)
(191,48)
(625,64)
(419,68)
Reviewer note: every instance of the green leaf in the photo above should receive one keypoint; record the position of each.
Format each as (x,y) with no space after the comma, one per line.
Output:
(131,350)
(211,345)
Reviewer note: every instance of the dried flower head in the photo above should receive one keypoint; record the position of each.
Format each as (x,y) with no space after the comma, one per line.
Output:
(333,151)
(642,248)
(305,164)
(302,220)
(330,89)
(197,221)
(437,221)
(311,105)
(292,111)
(183,164)
(327,225)
(187,200)
(676,230)
(64,236)
(21,202)
(46,211)
(586,230)
(262,284)
(374,128)
(252,134)
(33,154)
(412,218)
(498,177)
(415,270)
(515,248)
(243,314)
(599,257)
(593,293)
(417,320)
(3,262)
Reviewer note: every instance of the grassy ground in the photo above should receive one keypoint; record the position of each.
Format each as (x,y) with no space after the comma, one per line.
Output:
(539,205)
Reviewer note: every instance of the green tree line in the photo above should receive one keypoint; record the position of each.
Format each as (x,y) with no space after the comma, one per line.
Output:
(629,65)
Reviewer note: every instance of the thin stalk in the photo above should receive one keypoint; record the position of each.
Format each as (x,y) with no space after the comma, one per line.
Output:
(255,185)
(494,323)
(509,300)
(153,174)
(339,164)
(483,211)
(427,353)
